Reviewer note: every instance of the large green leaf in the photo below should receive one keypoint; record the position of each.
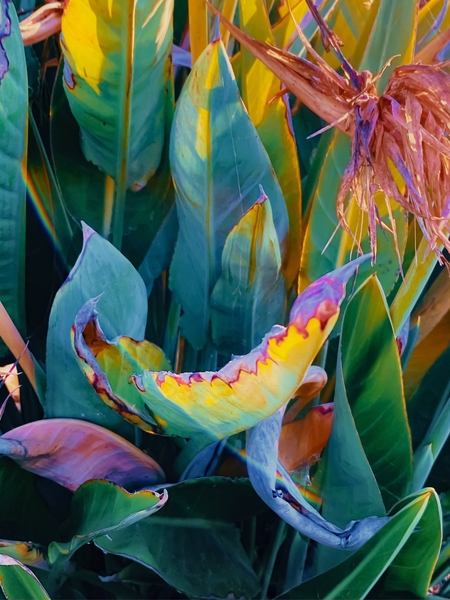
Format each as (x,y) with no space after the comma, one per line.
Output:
(100,268)
(17,582)
(218,163)
(99,507)
(89,194)
(192,543)
(271,115)
(355,577)
(373,379)
(249,297)
(13,150)
(116,72)
(385,39)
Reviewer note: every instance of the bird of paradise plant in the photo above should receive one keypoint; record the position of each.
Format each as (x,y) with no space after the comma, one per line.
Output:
(218,397)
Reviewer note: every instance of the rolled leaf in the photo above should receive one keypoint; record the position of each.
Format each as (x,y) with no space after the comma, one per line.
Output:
(279,492)
(116,73)
(13,154)
(18,582)
(248,389)
(71,452)
(249,297)
(218,163)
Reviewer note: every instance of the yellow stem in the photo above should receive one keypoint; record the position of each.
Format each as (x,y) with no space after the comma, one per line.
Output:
(16,344)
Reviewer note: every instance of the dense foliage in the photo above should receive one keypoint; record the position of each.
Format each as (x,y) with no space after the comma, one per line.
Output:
(226,245)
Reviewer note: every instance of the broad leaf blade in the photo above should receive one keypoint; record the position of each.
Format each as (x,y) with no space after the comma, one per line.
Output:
(100,268)
(70,452)
(218,163)
(99,507)
(13,151)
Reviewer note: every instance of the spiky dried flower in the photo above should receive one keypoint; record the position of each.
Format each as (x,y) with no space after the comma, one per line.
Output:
(400,139)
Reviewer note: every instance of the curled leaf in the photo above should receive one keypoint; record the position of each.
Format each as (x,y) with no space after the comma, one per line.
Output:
(245,391)
(276,488)
(71,452)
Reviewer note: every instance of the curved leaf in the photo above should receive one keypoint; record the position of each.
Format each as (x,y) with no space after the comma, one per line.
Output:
(99,507)
(357,575)
(116,72)
(271,115)
(71,452)
(17,582)
(218,163)
(13,153)
(280,493)
(100,268)
(28,553)
(249,297)
(249,388)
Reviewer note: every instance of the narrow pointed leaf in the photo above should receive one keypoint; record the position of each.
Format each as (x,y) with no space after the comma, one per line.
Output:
(249,388)
(17,582)
(218,163)
(249,297)
(71,452)
(13,150)
(26,552)
(100,269)
(99,507)
(116,73)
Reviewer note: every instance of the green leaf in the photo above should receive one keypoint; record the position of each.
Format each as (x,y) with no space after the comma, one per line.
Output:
(249,297)
(117,71)
(271,115)
(17,582)
(218,163)
(355,577)
(28,553)
(373,379)
(13,151)
(21,490)
(192,544)
(99,507)
(89,194)
(412,568)
(376,47)
(100,269)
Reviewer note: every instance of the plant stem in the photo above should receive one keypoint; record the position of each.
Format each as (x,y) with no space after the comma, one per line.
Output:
(15,342)
(278,539)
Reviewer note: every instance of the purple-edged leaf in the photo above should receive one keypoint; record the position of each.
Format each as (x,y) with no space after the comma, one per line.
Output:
(282,496)
(27,552)
(71,452)
(18,582)
(245,391)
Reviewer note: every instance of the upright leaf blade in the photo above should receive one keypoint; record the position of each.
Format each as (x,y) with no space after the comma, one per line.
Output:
(249,297)
(272,119)
(218,163)
(13,153)
(117,71)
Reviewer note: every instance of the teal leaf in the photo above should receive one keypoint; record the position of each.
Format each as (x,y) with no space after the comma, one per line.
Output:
(218,163)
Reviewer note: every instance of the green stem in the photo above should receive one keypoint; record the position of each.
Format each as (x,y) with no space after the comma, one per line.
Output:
(278,540)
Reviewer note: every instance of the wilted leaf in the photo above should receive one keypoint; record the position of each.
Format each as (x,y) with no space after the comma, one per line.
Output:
(248,389)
